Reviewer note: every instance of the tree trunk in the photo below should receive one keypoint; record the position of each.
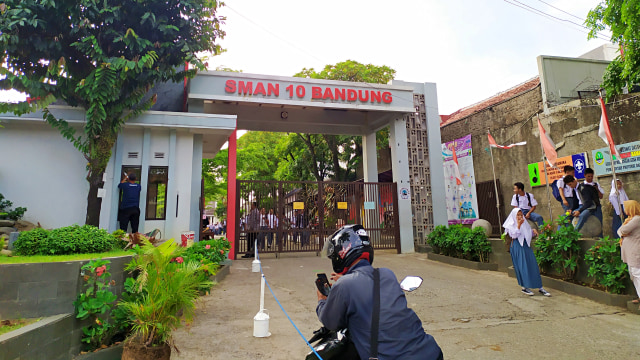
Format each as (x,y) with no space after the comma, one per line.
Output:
(94,203)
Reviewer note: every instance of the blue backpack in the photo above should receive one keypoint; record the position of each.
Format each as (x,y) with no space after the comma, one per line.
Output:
(555,190)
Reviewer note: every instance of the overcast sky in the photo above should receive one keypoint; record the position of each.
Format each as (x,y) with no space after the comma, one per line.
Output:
(472,49)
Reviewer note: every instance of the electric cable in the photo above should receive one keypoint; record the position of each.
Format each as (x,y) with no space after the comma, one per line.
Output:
(551,17)
(577,17)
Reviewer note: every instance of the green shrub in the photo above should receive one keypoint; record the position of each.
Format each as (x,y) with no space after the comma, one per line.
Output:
(76,239)
(461,242)
(68,240)
(30,242)
(606,266)
(208,251)
(558,250)
(7,213)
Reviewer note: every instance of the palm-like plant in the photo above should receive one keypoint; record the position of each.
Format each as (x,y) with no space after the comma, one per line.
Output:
(168,286)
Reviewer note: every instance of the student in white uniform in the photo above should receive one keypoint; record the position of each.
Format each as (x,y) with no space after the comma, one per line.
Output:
(527,203)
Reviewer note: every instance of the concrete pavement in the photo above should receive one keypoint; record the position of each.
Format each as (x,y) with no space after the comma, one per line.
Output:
(472,314)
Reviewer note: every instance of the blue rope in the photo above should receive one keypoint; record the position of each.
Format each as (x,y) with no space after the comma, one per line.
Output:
(282,308)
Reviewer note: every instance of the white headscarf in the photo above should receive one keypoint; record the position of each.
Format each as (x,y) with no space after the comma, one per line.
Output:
(613,199)
(511,228)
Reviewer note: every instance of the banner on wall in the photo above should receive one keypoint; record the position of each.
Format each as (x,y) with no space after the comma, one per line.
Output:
(462,204)
(536,170)
(629,159)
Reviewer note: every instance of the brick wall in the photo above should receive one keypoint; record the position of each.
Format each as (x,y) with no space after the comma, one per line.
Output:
(572,126)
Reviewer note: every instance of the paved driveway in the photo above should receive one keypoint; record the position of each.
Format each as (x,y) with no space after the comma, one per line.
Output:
(471,314)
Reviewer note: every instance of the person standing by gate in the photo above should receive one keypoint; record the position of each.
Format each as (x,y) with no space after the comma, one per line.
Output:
(253,221)
(303,222)
(272,222)
(129,211)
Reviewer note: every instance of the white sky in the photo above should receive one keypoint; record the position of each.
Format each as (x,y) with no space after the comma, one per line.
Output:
(472,49)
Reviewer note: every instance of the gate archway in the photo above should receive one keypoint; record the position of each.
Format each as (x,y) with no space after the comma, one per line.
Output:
(299,216)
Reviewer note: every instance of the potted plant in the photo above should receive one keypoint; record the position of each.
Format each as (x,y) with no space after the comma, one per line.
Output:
(168,286)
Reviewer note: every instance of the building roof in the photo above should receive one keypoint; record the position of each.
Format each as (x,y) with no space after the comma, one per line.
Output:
(496,99)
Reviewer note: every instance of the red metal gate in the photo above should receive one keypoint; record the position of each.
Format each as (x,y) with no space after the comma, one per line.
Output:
(287,216)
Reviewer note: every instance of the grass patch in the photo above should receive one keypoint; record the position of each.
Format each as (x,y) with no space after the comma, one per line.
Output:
(10,325)
(61,258)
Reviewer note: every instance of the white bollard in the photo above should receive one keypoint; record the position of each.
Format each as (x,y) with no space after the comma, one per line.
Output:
(255,265)
(261,320)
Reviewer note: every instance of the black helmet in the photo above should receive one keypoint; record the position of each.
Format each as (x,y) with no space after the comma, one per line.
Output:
(347,245)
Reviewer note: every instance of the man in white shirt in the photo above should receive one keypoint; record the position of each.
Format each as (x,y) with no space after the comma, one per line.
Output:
(273,225)
(527,203)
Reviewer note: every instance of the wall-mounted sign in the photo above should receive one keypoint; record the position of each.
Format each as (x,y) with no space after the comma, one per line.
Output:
(342,205)
(298,205)
(536,170)
(369,205)
(404,193)
(629,154)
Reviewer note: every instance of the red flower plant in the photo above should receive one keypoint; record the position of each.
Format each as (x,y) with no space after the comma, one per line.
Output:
(100,270)
(207,247)
(179,259)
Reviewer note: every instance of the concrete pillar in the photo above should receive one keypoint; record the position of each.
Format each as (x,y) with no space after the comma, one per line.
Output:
(172,189)
(144,177)
(435,158)
(195,218)
(115,180)
(400,163)
(370,157)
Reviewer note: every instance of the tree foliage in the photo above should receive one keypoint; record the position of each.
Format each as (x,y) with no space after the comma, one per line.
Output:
(101,56)
(622,17)
(343,154)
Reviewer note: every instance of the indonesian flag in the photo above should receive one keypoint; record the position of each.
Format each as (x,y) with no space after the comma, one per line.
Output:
(456,169)
(547,145)
(492,143)
(605,132)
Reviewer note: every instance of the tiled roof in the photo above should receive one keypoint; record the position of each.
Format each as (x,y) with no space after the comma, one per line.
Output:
(500,97)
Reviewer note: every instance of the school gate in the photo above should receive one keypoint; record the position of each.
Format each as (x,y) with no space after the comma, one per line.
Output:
(312,106)
(299,216)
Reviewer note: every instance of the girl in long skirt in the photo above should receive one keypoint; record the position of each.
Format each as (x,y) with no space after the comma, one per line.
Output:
(524,261)
(617,203)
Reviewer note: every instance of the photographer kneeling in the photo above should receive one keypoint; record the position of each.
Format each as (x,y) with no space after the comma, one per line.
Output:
(350,302)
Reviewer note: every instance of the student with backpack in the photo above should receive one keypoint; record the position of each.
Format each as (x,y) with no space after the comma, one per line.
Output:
(563,193)
(527,203)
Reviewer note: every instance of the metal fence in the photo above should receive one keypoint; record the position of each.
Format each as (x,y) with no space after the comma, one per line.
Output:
(286,216)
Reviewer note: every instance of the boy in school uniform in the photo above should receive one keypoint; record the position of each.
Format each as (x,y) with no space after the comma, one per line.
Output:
(566,192)
(527,203)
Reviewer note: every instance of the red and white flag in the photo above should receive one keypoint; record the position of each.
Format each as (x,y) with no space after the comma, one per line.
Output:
(605,132)
(547,145)
(492,143)
(456,168)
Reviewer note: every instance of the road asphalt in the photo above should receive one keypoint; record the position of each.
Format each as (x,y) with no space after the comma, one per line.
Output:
(472,314)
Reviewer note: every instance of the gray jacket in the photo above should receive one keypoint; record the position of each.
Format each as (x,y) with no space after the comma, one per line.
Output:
(350,305)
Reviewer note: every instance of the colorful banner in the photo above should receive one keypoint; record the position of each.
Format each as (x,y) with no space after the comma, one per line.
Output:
(462,204)
(536,170)
(629,154)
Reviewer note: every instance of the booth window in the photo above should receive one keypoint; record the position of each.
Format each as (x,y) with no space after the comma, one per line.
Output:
(157,193)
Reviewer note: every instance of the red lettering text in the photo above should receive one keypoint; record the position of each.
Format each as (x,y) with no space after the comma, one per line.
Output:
(316,92)
(290,90)
(375,96)
(273,90)
(386,97)
(260,90)
(245,89)
(327,94)
(352,95)
(230,86)
(300,91)
(340,94)
(363,98)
